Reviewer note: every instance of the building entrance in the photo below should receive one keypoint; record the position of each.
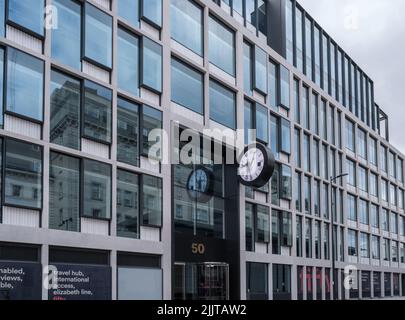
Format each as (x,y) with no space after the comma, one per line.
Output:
(201,281)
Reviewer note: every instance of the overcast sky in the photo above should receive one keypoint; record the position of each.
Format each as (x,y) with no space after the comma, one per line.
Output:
(372,32)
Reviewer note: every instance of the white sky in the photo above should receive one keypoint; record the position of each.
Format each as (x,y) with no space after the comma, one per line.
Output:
(372,32)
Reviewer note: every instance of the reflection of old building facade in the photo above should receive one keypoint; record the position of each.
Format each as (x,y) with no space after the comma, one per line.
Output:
(79,192)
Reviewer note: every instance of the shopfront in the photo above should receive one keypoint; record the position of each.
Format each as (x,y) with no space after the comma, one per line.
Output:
(206,231)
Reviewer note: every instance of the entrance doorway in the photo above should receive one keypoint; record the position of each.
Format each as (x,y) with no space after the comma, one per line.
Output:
(201,281)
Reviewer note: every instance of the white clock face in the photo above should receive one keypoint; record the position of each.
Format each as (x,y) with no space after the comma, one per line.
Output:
(251,165)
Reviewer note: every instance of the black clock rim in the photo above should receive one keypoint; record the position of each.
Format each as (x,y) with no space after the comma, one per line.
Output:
(202,196)
(268,167)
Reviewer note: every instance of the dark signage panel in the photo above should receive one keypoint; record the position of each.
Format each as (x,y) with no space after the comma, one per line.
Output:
(82,282)
(20,281)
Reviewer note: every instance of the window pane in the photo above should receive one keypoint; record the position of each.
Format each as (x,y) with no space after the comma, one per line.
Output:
(273,94)
(1,85)
(247,68)
(129,10)
(128,132)
(128,62)
(299,39)
(284,87)
(97,112)
(23,174)
(152,201)
(260,70)
(65,110)
(249,227)
(127,204)
(308,47)
(187,86)
(285,136)
(98,36)
(64,193)
(186,24)
(66,39)
(222,105)
(263,224)
(221,46)
(28,14)
(97,190)
(2,17)
(286,182)
(151,119)
(262,123)
(152,65)
(25,84)
(152,11)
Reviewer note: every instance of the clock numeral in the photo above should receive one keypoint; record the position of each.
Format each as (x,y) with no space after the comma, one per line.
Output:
(198,248)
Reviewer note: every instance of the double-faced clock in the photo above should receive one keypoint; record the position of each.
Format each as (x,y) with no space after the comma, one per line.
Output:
(200,184)
(256,165)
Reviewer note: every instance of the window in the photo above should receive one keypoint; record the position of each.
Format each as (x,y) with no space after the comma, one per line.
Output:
(393,195)
(400,170)
(325,60)
(394,251)
(308,238)
(96,190)
(317,198)
(340,75)
(286,182)
(248,68)
(325,169)
(386,250)
(325,202)
(363,179)
(222,105)
(375,247)
(305,108)
(394,223)
(152,11)
(284,87)
(127,204)
(289,32)
(326,246)
(297,152)
(98,36)
(128,62)
(262,123)
(64,192)
(332,52)
(262,224)
(363,208)
(351,207)
(281,230)
(318,251)
(27,14)
(298,201)
(23,171)
(362,135)
(351,168)
(350,139)
(307,194)
(260,74)
(187,86)
(299,40)
(308,47)
(285,136)
(97,112)
(221,46)
(315,157)
(392,166)
(152,197)
(383,156)
(323,120)
(249,227)
(385,220)
(352,243)
(364,245)
(384,190)
(297,111)
(306,153)
(375,221)
(400,198)
(281,282)
(257,281)
(25,85)
(66,39)
(373,184)
(151,119)
(151,65)
(65,110)
(401,225)
(129,10)
(187,24)
(373,151)
(317,55)
(299,236)
(127,132)
(273,85)
(314,113)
